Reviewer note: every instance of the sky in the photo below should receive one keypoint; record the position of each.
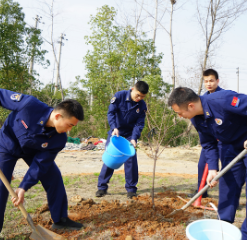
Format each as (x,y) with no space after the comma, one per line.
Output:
(72,17)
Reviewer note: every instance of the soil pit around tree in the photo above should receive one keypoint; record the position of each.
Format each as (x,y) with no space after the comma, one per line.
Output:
(135,218)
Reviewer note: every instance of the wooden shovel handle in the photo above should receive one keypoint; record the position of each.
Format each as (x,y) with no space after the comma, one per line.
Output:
(12,193)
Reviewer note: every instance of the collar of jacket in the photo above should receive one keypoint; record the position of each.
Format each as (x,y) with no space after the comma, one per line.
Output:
(216,90)
(128,96)
(206,109)
(43,120)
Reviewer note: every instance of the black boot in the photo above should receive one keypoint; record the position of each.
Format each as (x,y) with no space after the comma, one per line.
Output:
(131,195)
(67,224)
(101,193)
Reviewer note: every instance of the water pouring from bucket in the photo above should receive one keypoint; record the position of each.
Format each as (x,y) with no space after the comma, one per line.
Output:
(117,152)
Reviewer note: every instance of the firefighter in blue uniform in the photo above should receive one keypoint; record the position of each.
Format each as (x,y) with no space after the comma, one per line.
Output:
(36,133)
(211,82)
(126,117)
(223,116)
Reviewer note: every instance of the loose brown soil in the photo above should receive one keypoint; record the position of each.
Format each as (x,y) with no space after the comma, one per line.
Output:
(136,218)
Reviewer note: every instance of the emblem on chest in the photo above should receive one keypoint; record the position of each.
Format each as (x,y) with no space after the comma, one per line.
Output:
(218,121)
(44,145)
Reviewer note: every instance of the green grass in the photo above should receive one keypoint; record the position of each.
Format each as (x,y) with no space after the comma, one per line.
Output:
(238,214)
(38,187)
(66,180)
(20,238)
(160,181)
(118,178)
(31,195)
(96,174)
(15,183)
(94,180)
(31,209)
(70,180)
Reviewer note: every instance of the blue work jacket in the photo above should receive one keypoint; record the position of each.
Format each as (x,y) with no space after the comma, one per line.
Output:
(24,135)
(225,119)
(126,115)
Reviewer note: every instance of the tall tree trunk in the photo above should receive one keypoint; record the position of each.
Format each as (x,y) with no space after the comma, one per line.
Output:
(208,43)
(172,53)
(155,23)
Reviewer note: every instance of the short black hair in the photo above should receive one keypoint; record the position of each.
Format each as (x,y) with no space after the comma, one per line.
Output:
(210,71)
(182,96)
(142,87)
(71,108)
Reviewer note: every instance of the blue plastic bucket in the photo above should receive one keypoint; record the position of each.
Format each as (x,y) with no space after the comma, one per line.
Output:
(118,151)
(212,229)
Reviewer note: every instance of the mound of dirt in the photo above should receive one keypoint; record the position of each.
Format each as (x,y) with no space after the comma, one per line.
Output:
(136,218)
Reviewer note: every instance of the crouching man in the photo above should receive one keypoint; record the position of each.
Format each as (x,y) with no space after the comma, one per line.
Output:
(36,133)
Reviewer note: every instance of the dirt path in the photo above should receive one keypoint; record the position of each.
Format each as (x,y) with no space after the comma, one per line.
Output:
(173,161)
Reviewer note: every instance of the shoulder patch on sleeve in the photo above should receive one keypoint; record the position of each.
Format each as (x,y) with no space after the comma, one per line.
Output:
(16,97)
(113,99)
(235,102)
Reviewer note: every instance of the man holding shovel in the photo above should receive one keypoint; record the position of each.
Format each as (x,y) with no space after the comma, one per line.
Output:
(211,83)
(126,117)
(222,116)
(36,133)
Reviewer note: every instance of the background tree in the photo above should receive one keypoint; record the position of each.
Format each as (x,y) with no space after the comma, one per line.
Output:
(46,94)
(163,10)
(215,18)
(168,131)
(16,48)
(75,91)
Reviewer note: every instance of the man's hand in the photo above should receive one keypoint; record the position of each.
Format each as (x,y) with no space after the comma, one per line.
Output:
(211,175)
(20,193)
(133,143)
(245,144)
(115,132)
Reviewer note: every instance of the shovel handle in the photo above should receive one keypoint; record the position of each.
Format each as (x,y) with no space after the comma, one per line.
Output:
(21,207)
(12,193)
(221,173)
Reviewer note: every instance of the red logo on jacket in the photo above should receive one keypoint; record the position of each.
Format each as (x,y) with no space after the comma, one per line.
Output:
(235,102)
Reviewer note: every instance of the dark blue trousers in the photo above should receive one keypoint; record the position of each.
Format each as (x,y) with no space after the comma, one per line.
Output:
(52,182)
(130,169)
(230,186)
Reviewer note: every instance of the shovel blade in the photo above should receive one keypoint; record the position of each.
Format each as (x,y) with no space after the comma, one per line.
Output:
(46,234)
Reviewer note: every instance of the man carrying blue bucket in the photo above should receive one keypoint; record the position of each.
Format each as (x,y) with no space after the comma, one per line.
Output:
(126,117)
